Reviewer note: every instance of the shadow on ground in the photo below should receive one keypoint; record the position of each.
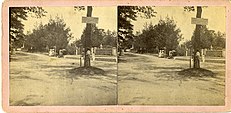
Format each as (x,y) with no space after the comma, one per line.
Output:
(25,102)
(87,71)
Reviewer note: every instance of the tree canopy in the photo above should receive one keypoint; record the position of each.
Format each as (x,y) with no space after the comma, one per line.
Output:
(53,34)
(210,38)
(127,14)
(163,35)
(17,15)
(100,36)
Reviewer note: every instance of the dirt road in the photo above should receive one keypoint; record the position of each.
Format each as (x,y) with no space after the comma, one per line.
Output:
(37,79)
(149,80)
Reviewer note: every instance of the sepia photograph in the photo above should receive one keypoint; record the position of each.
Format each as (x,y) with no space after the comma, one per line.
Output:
(59,56)
(171,55)
(116,56)
(63,56)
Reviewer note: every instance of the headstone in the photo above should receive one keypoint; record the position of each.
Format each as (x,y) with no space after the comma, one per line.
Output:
(101,46)
(60,53)
(122,52)
(211,47)
(114,51)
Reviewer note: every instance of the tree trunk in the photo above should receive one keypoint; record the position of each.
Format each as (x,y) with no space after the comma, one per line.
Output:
(87,42)
(196,44)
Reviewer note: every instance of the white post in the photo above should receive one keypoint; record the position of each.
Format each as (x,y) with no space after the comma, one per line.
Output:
(203,58)
(202,55)
(93,57)
(92,50)
(81,61)
(76,52)
(202,52)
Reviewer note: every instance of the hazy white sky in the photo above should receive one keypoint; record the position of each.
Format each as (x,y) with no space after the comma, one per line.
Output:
(107,18)
(215,15)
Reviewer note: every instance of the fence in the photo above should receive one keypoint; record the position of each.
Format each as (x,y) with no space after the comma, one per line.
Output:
(215,53)
(211,53)
(103,51)
(106,51)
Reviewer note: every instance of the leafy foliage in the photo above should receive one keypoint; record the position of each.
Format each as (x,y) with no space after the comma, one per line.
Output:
(189,8)
(17,15)
(54,34)
(192,8)
(163,35)
(99,36)
(127,14)
(210,38)
(79,8)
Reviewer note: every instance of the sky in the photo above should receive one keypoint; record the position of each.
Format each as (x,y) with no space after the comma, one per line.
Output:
(108,19)
(215,15)
(73,19)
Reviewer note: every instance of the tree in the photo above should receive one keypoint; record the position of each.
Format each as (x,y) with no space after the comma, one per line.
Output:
(127,14)
(17,15)
(196,42)
(147,39)
(164,35)
(210,38)
(168,34)
(219,41)
(110,39)
(53,34)
(187,44)
(99,36)
(87,41)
